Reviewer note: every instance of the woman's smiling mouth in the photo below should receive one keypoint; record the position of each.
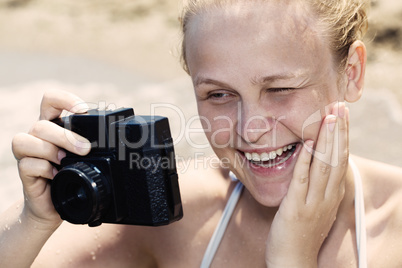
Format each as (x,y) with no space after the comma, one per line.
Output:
(272,158)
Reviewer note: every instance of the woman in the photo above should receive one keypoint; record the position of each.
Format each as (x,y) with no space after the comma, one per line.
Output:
(270,78)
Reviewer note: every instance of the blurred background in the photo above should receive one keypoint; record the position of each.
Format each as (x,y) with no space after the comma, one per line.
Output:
(125,53)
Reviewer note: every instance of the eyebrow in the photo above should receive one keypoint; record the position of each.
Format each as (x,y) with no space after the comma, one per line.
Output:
(273,78)
(209,81)
(256,80)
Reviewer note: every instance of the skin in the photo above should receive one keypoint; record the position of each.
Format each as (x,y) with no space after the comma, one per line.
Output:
(301,215)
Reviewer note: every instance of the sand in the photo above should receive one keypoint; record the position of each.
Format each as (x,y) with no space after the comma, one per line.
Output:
(125,53)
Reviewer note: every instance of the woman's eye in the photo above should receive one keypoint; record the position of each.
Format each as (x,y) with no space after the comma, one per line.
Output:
(285,89)
(218,95)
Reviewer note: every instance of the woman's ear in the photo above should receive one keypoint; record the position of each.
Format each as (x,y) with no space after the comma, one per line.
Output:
(356,67)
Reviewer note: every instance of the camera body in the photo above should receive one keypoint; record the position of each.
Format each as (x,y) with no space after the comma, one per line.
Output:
(129,176)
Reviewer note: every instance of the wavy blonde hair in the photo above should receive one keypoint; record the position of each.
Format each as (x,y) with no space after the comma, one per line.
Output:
(342,22)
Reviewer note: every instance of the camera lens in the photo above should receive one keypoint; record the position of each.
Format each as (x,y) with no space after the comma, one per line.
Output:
(80,193)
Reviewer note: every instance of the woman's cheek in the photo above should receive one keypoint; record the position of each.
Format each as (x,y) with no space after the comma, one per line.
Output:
(219,125)
(221,133)
(311,131)
(305,125)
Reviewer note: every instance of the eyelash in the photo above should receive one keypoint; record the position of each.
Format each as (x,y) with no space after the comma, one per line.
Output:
(218,95)
(280,89)
(223,95)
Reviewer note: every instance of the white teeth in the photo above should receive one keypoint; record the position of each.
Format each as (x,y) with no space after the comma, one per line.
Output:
(255,157)
(266,156)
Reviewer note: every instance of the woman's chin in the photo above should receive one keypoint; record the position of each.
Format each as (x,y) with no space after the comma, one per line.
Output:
(270,195)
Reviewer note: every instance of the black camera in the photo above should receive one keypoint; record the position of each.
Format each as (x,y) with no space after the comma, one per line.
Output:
(129,177)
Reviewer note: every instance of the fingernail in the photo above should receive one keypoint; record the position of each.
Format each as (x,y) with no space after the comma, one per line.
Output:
(331,121)
(339,109)
(79,108)
(309,145)
(82,146)
(60,155)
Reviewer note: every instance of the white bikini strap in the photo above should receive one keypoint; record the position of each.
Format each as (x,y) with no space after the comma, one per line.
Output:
(359,217)
(221,228)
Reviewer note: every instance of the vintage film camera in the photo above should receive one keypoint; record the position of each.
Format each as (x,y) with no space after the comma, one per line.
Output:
(129,176)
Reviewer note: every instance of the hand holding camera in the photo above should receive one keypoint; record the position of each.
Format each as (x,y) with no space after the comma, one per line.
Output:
(109,200)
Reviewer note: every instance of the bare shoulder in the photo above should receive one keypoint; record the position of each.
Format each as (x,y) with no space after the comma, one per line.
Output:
(382,183)
(382,187)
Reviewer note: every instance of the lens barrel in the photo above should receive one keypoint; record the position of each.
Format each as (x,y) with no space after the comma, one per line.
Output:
(80,194)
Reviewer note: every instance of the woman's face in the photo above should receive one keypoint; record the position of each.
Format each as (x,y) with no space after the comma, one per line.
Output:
(264,78)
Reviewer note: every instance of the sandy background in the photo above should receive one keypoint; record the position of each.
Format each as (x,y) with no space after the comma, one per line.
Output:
(124,53)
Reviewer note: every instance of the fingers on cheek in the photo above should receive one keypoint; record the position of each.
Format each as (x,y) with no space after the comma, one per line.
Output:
(299,185)
(33,168)
(342,142)
(302,168)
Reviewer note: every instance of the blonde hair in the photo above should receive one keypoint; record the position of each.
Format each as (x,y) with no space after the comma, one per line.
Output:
(342,22)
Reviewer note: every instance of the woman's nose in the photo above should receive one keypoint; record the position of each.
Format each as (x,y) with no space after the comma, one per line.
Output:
(253,123)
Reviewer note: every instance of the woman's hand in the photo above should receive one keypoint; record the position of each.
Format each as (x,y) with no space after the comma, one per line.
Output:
(45,143)
(309,209)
